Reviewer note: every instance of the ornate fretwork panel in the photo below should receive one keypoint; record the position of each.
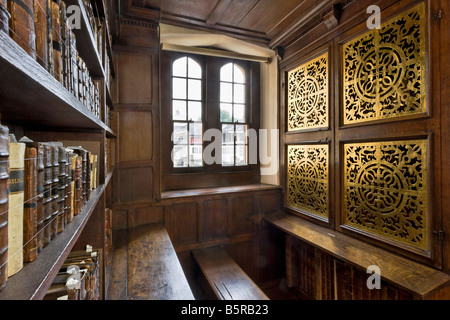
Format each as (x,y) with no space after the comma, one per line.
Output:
(307,178)
(308,95)
(385,189)
(385,70)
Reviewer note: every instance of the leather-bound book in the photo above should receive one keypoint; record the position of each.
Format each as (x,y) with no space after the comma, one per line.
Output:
(16,201)
(65,44)
(4,16)
(54,192)
(61,189)
(84,185)
(72,189)
(41,30)
(4,186)
(80,79)
(40,194)
(21,24)
(47,199)
(30,251)
(68,188)
(88,174)
(78,194)
(74,63)
(49,37)
(57,45)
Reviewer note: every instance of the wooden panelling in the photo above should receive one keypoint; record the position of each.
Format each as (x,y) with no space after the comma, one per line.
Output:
(214,215)
(135,184)
(135,75)
(182,222)
(135,147)
(242,212)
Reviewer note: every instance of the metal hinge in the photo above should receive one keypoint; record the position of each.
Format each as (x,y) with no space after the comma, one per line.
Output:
(438,16)
(441,234)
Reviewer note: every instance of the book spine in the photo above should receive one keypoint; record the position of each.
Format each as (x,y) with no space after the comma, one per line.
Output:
(30,206)
(74,64)
(65,44)
(47,199)
(49,37)
(61,189)
(40,25)
(15,213)
(4,16)
(40,196)
(54,194)
(72,198)
(56,41)
(4,190)
(88,174)
(68,189)
(22,25)
(78,185)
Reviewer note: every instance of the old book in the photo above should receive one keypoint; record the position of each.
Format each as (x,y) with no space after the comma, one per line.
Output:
(65,45)
(80,79)
(72,198)
(4,186)
(56,40)
(4,16)
(61,189)
(78,194)
(68,188)
(84,184)
(15,213)
(49,37)
(30,251)
(54,196)
(74,63)
(41,31)
(47,197)
(21,25)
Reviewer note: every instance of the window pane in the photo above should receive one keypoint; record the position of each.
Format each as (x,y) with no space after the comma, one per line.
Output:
(179,68)
(180,133)
(195,133)
(195,156)
(179,88)
(195,71)
(241,134)
(239,76)
(226,73)
(239,93)
(228,155)
(195,111)
(228,134)
(179,110)
(179,156)
(226,112)
(241,155)
(226,92)
(195,89)
(239,113)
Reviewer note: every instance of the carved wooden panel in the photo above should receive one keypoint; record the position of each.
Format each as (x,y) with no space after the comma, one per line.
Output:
(307,178)
(307,94)
(385,70)
(214,219)
(385,190)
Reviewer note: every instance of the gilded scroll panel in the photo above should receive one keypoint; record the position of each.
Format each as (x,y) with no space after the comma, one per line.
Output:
(307,179)
(308,95)
(384,70)
(385,190)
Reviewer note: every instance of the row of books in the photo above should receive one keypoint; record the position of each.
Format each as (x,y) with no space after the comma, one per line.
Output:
(42,29)
(43,186)
(78,278)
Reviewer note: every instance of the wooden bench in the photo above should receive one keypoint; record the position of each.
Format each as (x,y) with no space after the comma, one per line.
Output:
(227,280)
(420,281)
(146,267)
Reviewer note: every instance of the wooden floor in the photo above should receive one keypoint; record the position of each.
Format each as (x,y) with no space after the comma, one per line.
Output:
(131,268)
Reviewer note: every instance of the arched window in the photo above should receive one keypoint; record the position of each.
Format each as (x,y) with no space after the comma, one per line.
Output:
(187,114)
(233,115)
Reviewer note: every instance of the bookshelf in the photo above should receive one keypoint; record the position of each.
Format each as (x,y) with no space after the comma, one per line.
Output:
(33,103)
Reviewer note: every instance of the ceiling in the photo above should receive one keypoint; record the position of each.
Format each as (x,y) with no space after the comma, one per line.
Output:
(266,21)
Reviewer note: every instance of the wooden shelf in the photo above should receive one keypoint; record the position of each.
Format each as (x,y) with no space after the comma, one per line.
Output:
(33,281)
(31,96)
(86,44)
(421,281)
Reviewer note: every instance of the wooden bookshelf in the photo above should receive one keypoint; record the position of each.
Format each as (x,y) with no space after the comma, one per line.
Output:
(34,103)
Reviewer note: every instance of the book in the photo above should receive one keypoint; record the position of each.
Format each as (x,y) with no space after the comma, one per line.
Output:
(4,189)
(4,17)
(47,199)
(21,25)
(84,169)
(30,205)
(72,198)
(68,188)
(40,195)
(65,45)
(41,31)
(78,194)
(56,40)
(49,37)
(15,212)
(61,189)
(74,64)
